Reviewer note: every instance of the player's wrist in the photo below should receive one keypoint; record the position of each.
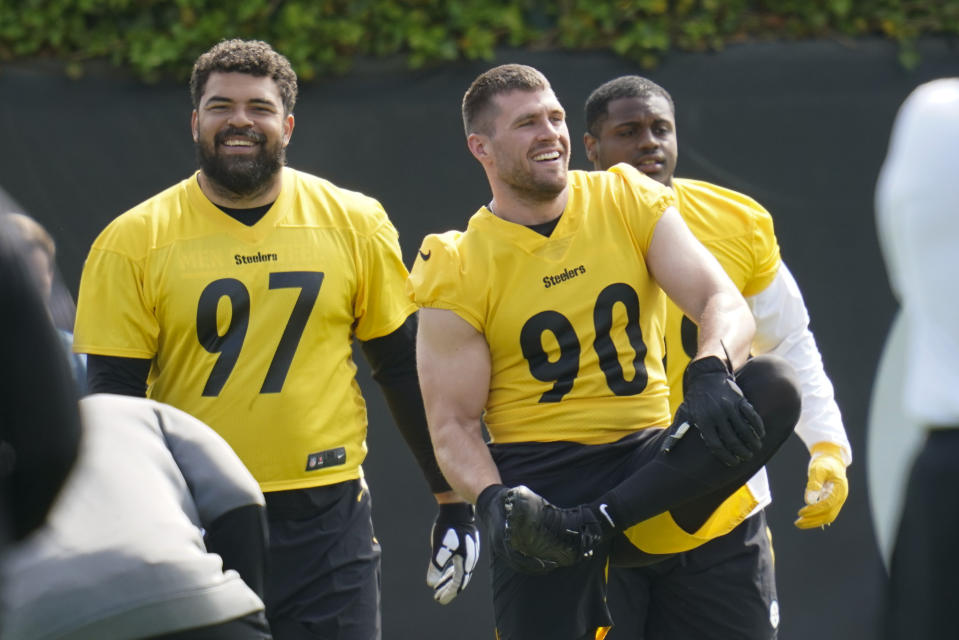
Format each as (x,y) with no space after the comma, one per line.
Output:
(456,512)
(698,369)
(449,496)
(827,448)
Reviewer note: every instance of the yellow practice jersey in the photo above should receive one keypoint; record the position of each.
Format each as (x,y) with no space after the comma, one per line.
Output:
(250,328)
(574,321)
(738,231)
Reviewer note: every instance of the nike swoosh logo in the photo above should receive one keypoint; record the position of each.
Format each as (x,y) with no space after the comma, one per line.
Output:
(427,255)
(603,509)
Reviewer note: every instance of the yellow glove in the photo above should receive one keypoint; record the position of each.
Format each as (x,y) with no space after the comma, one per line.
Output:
(827,487)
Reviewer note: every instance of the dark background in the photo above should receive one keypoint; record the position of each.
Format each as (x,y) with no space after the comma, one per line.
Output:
(800,127)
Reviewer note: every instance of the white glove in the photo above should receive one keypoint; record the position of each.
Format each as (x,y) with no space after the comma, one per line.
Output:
(455,550)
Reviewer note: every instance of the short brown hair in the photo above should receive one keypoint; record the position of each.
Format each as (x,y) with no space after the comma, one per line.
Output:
(253,57)
(477,116)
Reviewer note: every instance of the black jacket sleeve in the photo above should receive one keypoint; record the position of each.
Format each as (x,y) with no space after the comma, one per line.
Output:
(241,540)
(113,374)
(392,359)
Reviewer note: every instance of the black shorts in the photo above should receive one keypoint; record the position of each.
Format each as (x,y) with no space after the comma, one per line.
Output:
(920,596)
(722,590)
(323,579)
(568,603)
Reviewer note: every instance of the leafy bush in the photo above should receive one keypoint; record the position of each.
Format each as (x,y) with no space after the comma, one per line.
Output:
(158,38)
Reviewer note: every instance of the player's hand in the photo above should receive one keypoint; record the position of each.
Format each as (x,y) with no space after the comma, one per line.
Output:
(714,404)
(455,550)
(827,487)
(491,509)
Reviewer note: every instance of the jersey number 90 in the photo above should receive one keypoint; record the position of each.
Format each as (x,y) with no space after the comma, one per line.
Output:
(562,372)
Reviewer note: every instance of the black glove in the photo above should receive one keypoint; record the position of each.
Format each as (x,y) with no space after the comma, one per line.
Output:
(455,550)
(491,509)
(714,404)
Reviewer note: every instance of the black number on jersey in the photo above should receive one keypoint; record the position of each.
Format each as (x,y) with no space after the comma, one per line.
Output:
(565,368)
(689,337)
(563,371)
(308,282)
(689,333)
(606,349)
(229,344)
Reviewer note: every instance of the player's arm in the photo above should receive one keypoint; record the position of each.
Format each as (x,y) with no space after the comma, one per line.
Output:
(241,538)
(696,282)
(712,403)
(115,317)
(782,328)
(392,360)
(454,536)
(113,374)
(454,370)
(454,366)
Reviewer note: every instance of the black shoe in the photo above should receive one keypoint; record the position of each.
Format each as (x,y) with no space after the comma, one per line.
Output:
(539,529)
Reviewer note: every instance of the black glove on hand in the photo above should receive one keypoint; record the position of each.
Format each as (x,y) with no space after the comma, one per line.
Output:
(714,404)
(491,509)
(455,549)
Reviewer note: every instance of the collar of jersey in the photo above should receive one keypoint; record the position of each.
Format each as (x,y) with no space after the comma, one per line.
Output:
(234,227)
(523,236)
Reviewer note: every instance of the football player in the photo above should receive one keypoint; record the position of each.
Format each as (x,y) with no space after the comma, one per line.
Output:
(725,588)
(544,319)
(235,295)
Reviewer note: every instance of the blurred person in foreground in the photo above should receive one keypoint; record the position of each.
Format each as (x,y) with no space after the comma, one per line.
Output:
(39,422)
(725,588)
(236,295)
(119,552)
(40,252)
(544,320)
(917,214)
(159,532)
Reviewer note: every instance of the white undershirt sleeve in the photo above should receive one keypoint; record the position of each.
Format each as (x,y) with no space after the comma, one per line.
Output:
(782,328)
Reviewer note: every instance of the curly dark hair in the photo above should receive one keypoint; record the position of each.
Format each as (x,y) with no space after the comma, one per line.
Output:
(477,116)
(253,57)
(597,105)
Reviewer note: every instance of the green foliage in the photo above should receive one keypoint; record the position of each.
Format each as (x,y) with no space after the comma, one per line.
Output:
(158,38)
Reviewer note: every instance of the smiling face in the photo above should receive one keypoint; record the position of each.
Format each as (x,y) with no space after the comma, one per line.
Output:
(640,131)
(241,132)
(527,148)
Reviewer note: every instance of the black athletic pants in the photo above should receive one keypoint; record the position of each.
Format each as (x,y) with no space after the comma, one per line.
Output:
(921,593)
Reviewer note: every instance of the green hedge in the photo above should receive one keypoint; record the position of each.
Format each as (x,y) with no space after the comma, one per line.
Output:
(161,38)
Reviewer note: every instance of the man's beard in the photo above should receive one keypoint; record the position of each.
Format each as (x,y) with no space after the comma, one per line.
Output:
(242,176)
(531,188)
(528,185)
